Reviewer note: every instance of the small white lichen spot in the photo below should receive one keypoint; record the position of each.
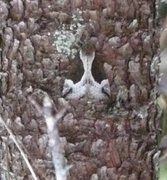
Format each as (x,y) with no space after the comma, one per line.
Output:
(155,64)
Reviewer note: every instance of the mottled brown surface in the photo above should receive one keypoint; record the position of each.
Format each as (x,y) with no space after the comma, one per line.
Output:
(103,141)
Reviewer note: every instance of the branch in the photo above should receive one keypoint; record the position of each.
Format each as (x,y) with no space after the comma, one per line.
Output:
(59,161)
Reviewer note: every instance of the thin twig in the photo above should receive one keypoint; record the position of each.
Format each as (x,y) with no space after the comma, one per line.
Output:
(21,151)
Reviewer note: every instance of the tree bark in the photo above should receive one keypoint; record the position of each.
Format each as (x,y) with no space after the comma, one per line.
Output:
(102,140)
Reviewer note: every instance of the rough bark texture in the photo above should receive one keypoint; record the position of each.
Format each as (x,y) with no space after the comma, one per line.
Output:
(102,141)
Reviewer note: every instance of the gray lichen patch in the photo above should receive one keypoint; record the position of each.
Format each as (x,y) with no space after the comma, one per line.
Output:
(66,36)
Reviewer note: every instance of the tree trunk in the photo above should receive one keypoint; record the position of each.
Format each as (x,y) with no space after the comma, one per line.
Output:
(102,140)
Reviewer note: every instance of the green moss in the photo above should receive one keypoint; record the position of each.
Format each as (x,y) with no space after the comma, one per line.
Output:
(163,170)
(162,9)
